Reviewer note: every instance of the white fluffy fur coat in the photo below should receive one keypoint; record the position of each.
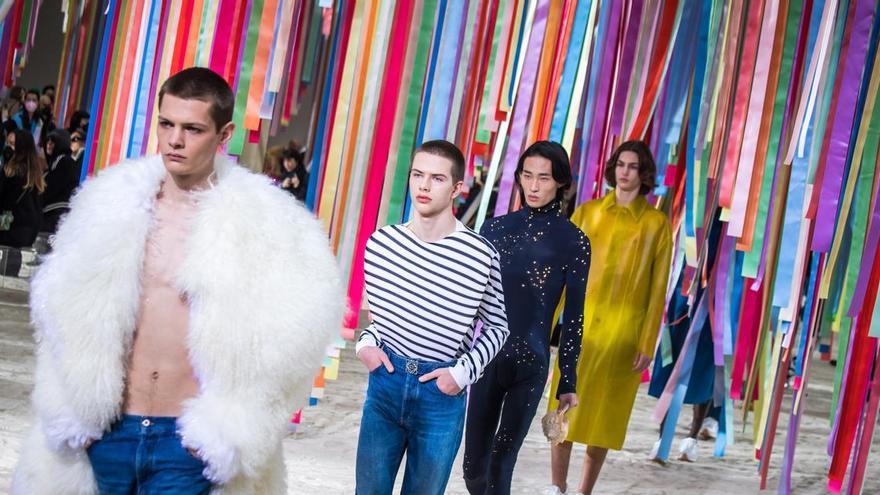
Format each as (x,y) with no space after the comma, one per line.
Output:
(265,302)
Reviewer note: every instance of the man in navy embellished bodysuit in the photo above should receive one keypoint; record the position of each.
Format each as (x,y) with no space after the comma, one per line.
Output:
(542,253)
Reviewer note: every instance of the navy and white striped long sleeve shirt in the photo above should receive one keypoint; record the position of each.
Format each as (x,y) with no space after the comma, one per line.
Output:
(427,297)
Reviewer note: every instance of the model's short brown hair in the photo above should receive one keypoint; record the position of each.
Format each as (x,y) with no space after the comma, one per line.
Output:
(445,149)
(198,83)
(647,167)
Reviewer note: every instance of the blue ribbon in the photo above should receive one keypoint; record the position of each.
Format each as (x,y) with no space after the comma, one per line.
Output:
(687,365)
(429,85)
(144,86)
(587,116)
(321,127)
(694,117)
(569,70)
(98,89)
(519,46)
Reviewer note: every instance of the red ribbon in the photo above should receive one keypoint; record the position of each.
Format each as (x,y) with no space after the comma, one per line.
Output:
(664,34)
(743,93)
(379,154)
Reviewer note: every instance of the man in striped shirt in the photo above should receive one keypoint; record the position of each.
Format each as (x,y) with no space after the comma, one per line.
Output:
(429,282)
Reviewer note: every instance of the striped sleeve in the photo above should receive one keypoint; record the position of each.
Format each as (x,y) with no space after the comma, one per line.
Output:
(369,338)
(491,312)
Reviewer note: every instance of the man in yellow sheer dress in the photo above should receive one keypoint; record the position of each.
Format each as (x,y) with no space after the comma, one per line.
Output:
(626,291)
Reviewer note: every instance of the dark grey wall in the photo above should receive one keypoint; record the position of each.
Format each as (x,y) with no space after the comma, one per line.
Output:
(42,66)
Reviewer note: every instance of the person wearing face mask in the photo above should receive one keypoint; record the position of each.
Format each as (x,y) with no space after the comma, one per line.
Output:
(77,146)
(30,119)
(62,178)
(47,103)
(542,254)
(21,182)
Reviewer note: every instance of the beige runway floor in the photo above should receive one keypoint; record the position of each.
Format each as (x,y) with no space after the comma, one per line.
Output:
(321,456)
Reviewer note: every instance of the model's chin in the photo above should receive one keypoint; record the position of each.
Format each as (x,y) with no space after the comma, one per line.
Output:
(427,209)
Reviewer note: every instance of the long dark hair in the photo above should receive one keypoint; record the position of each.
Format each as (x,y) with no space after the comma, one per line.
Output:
(647,167)
(25,162)
(559,164)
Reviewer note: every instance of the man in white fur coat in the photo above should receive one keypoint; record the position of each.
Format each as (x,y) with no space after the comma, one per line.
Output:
(181,316)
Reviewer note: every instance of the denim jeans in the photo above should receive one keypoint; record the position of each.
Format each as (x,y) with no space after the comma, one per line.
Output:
(403,415)
(142,455)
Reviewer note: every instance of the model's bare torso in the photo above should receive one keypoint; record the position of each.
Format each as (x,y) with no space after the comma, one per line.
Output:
(160,376)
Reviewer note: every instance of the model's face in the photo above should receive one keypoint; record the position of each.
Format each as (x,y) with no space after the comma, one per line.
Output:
(431,186)
(188,138)
(626,172)
(289,164)
(536,180)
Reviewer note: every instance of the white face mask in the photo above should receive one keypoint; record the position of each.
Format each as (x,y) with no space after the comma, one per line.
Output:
(30,106)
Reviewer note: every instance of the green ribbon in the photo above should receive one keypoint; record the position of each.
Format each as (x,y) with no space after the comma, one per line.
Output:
(861,205)
(203,49)
(752,258)
(24,30)
(312,46)
(488,107)
(869,160)
(411,113)
(236,144)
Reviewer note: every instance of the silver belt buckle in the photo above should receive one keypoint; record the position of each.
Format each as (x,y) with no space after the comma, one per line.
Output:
(412,367)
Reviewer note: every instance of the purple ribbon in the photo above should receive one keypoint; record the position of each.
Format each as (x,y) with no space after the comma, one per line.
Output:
(841,129)
(597,130)
(522,106)
(627,59)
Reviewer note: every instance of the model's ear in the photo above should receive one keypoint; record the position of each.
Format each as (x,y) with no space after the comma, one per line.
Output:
(456,190)
(226,132)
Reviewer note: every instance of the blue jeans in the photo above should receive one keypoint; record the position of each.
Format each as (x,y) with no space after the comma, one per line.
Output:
(403,415)
(142,455)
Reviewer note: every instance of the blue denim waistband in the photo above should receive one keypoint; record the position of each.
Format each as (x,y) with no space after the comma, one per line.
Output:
(415,366)
(155,424)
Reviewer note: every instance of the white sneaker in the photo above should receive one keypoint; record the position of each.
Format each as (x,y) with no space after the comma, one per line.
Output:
(709,429)
(688,450)
(654,450)
(552,490)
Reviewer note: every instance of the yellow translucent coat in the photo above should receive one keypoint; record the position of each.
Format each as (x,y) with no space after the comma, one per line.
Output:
(626,292)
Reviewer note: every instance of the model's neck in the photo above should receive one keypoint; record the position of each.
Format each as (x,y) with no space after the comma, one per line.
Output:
(181,188)
(625,198)
(434,228)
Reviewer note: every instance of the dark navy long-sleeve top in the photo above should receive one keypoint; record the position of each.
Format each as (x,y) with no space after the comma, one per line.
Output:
(542,253)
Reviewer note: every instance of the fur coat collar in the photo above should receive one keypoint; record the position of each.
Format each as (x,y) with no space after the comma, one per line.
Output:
(265,302)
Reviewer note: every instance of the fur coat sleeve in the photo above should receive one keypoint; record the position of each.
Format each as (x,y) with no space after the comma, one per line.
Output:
(265,302)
